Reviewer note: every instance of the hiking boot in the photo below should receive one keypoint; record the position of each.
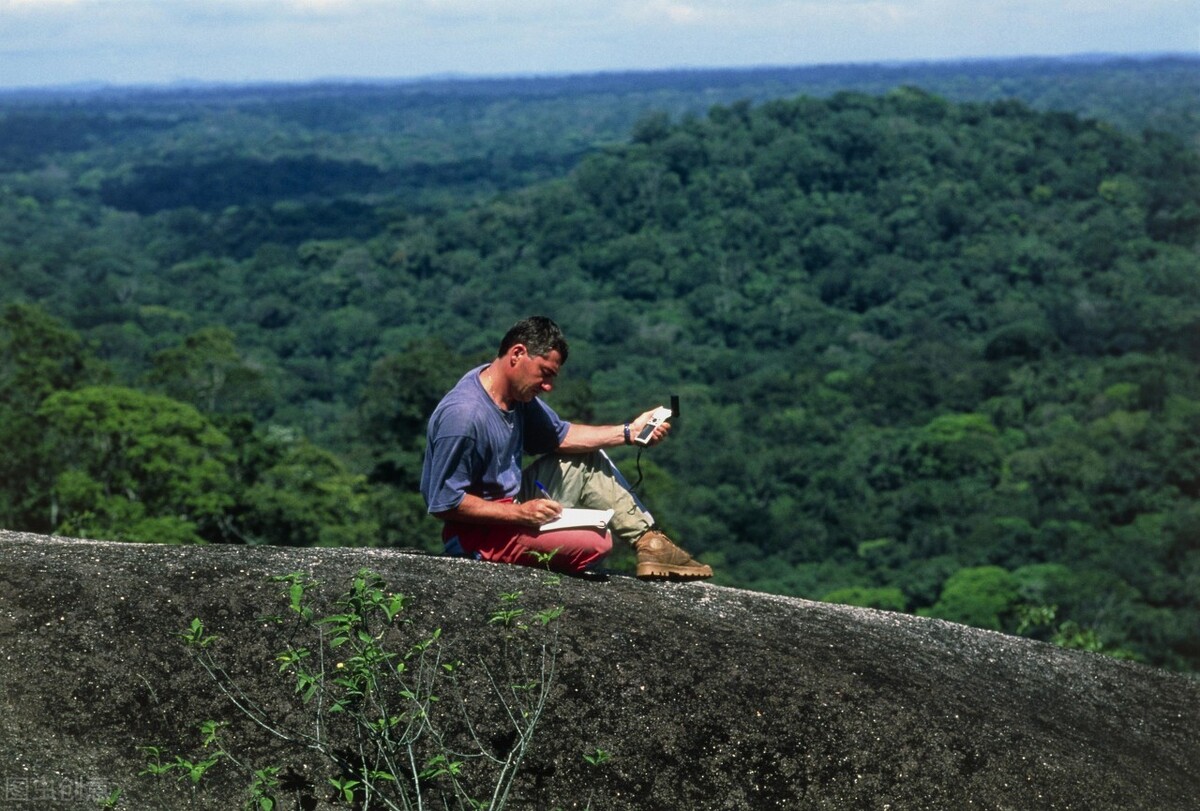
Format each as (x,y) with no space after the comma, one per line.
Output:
(657,557)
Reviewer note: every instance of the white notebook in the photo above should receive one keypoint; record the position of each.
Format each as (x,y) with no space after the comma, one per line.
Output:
(574,517)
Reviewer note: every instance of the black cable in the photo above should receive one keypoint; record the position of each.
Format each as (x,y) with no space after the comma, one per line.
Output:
(638,483)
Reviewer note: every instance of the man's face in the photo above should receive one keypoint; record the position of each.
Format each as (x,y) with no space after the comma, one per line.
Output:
(533,374)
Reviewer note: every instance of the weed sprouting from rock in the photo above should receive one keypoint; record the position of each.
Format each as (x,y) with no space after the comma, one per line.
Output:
(396,721)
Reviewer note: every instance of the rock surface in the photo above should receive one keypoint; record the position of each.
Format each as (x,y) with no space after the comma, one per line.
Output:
(705,697)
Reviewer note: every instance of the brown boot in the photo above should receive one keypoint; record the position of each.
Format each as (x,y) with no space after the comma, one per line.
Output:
(657,557)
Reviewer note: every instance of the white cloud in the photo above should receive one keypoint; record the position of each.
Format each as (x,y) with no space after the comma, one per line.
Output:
(43,41)
(669,11)
(24,5)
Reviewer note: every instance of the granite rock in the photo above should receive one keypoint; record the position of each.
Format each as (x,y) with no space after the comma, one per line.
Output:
(704,697)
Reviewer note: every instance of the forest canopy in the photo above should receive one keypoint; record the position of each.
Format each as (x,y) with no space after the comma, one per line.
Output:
(934,356)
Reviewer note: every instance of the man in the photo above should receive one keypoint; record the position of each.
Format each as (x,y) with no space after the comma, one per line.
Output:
(472,477)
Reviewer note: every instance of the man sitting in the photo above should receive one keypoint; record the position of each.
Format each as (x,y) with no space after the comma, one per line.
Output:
(472,477)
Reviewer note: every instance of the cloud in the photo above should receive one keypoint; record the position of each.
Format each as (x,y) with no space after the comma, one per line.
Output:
(137,41)
(670,11)
(19,5)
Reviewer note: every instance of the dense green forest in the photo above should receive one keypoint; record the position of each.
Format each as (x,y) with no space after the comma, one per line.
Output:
(934,355)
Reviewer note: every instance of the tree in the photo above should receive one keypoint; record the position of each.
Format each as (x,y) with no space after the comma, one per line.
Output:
(130,465)
(207,371)
(38,357)
(400,395)
(982,596)
(887,599)
(307,497)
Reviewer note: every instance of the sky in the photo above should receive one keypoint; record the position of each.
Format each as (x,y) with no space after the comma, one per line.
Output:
(155,42)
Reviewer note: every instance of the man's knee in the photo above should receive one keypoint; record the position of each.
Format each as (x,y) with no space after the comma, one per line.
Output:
(581,551)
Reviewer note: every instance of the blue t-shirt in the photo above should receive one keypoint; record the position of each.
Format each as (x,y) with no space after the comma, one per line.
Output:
(474,446)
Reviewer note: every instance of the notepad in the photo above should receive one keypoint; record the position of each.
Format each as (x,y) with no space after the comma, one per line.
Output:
(577,517)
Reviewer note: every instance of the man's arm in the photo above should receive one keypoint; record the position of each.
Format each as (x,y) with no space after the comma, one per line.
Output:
(586,438)
(476,510)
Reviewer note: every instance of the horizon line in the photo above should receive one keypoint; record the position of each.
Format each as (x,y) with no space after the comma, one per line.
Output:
(184,83)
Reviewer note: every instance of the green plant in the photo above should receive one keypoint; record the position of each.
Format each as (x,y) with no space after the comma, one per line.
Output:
(110,801)
(549,615)
(264,782)
(509,612)
(1039,620)
(372,687)
(544,559)
(263,787)
(1032,617)
(598,757)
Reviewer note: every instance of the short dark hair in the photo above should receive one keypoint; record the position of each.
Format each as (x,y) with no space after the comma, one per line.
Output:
(539,334)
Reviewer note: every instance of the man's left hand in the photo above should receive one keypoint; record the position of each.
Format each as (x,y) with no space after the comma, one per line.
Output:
(660,433)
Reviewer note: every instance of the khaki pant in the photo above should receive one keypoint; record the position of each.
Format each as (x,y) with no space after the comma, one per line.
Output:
(588,480)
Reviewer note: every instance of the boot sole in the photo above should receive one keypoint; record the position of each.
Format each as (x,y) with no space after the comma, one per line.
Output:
(666,571)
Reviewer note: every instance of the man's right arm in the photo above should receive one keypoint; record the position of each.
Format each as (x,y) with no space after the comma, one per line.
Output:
(476,510)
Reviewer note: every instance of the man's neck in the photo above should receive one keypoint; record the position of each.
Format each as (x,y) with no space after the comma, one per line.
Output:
(496,386)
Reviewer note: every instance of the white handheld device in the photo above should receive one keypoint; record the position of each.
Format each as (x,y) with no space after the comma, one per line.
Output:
(660,415)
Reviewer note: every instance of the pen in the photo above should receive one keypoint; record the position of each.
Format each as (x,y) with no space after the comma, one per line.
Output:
(542,487)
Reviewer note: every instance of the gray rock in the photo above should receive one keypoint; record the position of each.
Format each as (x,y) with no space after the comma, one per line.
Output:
(706,697)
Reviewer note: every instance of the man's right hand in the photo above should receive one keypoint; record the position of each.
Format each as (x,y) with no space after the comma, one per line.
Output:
(538,511)
(475,510)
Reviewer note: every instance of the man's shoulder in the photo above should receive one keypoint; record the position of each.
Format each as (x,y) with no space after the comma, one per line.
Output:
(460,408)
(457,409)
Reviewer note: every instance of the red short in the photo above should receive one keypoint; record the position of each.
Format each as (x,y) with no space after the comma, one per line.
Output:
(574,549)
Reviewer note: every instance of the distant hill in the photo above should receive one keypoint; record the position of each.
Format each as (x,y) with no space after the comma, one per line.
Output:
(429,138)
(935,356)
(694,696)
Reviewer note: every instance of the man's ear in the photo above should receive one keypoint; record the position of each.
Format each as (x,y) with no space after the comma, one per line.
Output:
(515,353)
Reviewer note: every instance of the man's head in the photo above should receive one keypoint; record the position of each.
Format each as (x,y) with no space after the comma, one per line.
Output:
(538,334)
(529,358)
